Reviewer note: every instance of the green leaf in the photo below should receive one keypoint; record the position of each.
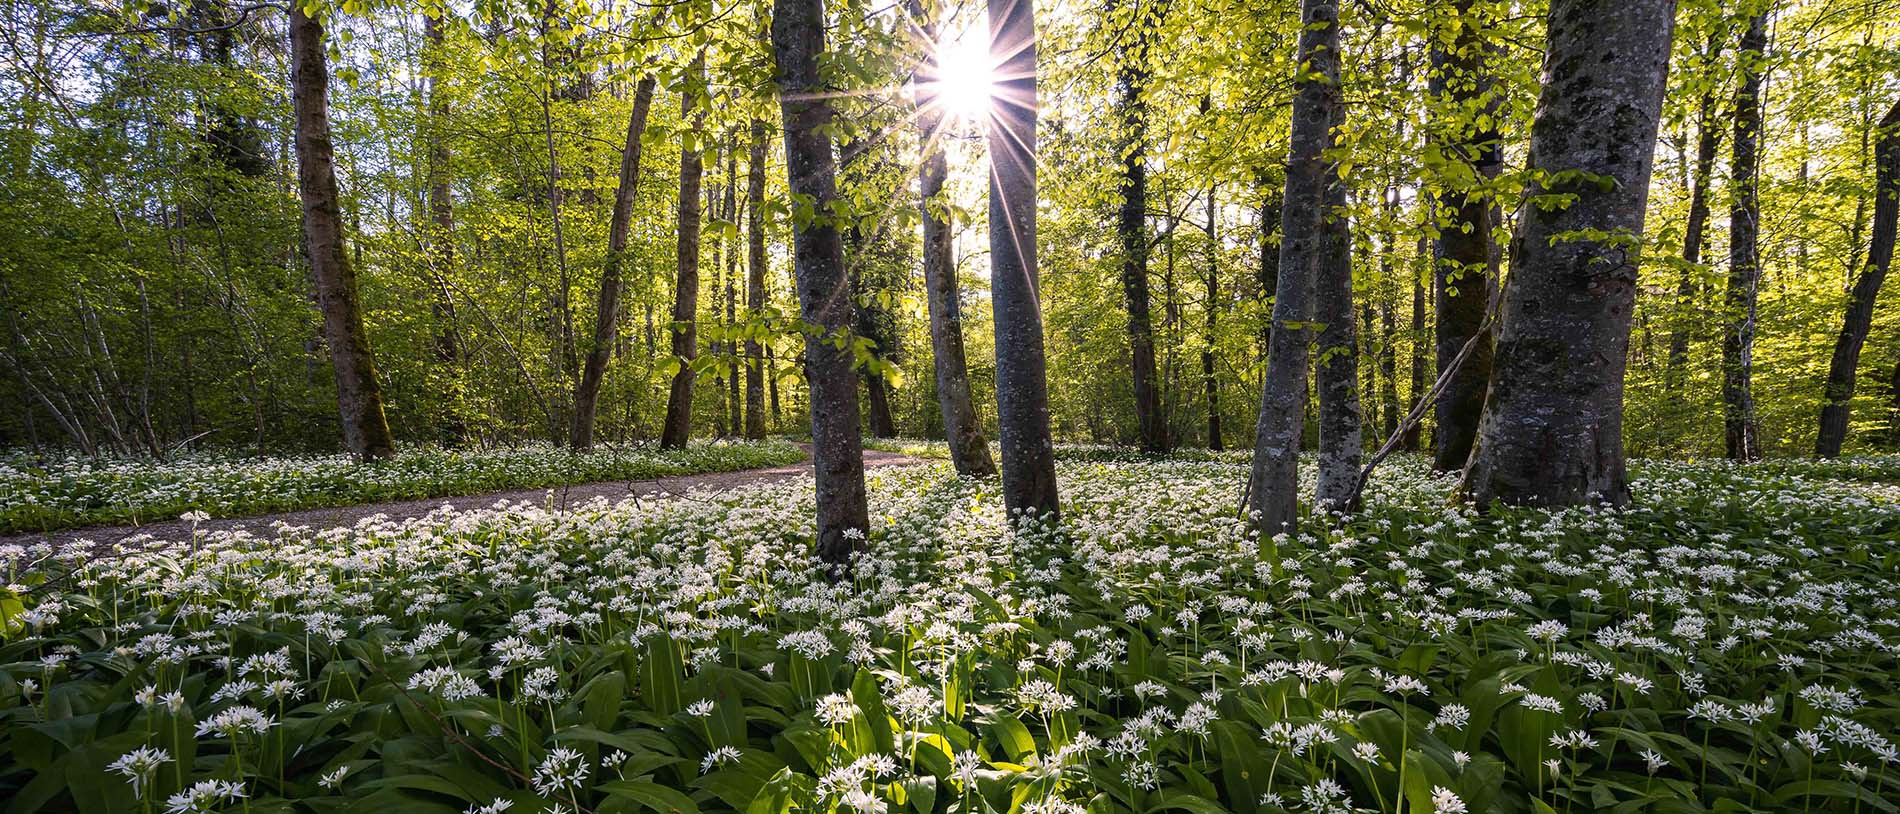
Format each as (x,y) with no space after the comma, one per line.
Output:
(651,796)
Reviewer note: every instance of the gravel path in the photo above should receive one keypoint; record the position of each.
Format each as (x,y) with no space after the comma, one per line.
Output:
(556,497)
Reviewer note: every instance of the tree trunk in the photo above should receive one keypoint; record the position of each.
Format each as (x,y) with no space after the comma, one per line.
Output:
(359,395)
(1211,309)
(1273,490)
(1839,391)
(824,294)
(969,450)
(441,244)
(755,281)
(869,316)
(1744,256)
(1022,386)
(1131,228)
(1391,410)
(1419,380)
(1695,232)
(1268,273)
(1465,267)
(607,311)
(729,256)
(1552,433)
(679,398)
(1336,372)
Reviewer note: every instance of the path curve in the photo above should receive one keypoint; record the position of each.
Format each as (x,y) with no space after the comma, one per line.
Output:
(556,497)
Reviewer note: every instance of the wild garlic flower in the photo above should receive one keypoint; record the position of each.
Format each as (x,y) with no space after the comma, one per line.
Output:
(138,766)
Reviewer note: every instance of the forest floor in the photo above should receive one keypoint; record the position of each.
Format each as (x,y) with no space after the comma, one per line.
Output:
(558,498)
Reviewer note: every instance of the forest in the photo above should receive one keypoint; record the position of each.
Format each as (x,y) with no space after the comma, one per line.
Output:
(932,407)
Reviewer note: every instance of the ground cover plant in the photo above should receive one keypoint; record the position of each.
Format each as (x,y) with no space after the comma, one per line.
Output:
(76,491)
(1728,642)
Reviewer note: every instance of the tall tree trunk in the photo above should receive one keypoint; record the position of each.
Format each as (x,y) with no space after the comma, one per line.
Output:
(1022,386)
(1273,489)
(1695,232)
(1391,410)
(1336,372)
(1744,256)
(679,398)
(1212,313)
(1552,433)
(1419,381)
(1839,391)
(1131,228)
(726,294)
(441,243)
(755,281)
(969,449)
(607,310)
(735,411)
(824,293)
(1465,263)
(1267,275)
(869,316)
(359,395)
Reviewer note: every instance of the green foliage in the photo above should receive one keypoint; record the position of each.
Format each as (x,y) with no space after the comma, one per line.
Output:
(1724,643)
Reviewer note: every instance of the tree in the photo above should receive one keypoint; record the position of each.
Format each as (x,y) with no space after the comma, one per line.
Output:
(1336,370)
(1131,223)
(755,279)
(359,394)
(1210,333)
(1552,431)
(969,450)
(824,292)
(1022,387)
(861,262)
(1305,243)
(1695,231)
(1419,379)
(607,310)
(1744,256)
(1465,135)
(1839,390)
(679,400)
(441,237)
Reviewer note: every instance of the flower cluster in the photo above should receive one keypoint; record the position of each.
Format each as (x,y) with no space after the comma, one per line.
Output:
(1731,636)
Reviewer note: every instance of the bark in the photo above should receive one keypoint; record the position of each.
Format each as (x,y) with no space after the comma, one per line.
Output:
(1418,381)
(1465,261)
(969,449)
(1273,490)
(730,413)
(1552,432)
(1389,372)
(1839,391)
(1739,429)
(730,256)
(1022,386)
(1267,275)
(824,294)
(1695,232)
(1212,311)
(358,393)
(1336,371)
(607,309)
(441,244)
(1131,228)
(755,281)
(679,399)
(870,318)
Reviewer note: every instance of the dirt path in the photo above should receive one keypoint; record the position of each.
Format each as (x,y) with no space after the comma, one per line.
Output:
(557,497)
